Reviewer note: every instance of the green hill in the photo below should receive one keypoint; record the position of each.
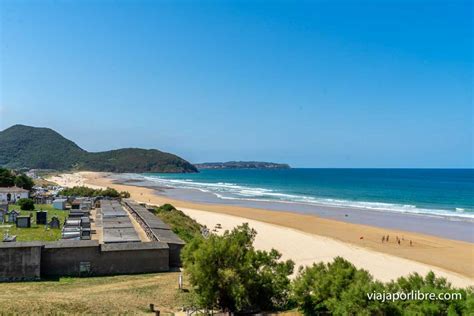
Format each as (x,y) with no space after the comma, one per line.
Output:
(42,148)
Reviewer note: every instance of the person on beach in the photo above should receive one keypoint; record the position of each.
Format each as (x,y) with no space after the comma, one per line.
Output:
(383,239)
(398,242)
(388,236)
(411,243)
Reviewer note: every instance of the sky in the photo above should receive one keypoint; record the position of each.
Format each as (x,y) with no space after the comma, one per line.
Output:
(310,83)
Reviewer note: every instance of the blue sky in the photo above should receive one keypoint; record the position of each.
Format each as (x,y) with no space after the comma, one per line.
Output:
(312,83)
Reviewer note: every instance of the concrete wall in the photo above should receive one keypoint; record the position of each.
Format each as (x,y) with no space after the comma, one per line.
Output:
(175,254)
(63,258)
(134,258)
(20,261)
(76,258)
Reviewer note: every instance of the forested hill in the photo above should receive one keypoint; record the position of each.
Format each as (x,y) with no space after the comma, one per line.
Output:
(42,148)
(242,165)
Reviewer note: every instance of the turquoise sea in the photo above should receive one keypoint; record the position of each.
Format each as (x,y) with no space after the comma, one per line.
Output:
(446,192)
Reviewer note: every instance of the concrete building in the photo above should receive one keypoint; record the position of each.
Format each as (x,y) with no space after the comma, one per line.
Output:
(13,194)
(120,250)
(59,204)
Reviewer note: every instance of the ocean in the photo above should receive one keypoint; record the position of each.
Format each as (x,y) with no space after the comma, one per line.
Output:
(436,192)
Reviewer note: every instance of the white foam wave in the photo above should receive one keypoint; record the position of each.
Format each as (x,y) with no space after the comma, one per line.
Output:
(232,191)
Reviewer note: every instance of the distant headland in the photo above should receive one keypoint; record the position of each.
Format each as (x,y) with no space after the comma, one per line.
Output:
(242,165)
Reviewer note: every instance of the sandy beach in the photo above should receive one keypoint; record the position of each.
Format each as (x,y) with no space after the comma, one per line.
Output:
(308,238)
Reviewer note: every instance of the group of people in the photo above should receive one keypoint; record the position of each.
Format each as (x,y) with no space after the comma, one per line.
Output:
(399,241)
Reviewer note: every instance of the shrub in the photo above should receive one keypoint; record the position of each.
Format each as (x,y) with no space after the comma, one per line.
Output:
(226,272)
(181,224)
(167,208)
(23,181)
(431,284)
(7,179)
(89,192)
(26,204)
(339,288)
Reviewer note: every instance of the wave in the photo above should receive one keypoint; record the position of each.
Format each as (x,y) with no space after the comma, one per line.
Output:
(232,191)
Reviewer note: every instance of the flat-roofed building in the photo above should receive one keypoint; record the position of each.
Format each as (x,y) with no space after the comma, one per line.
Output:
(13,194)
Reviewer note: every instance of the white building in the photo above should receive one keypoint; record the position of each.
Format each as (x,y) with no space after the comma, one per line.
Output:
(13,194)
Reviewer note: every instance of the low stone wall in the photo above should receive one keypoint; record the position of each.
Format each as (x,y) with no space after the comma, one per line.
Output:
(20,261)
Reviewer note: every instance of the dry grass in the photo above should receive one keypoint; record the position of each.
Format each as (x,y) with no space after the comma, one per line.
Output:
(129,294)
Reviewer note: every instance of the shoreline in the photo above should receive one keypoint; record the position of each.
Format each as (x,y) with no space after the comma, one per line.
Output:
(450,258)
(439,226)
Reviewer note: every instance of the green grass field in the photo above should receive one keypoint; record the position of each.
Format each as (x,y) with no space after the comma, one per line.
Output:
(36,232)
(114,295)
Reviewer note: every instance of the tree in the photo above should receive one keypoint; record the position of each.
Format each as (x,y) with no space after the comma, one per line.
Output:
(7,178)
(226,272)
(431,284)
(337,288)
(23,181)
(89,192)
(124,194)
(109,192)
(26,204)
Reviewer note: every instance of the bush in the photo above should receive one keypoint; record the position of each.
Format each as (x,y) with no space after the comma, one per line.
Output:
(23,181)
(167,208)
(181,224)
(89,192)
(339,288)
(226,272)
(26,204)
(9,179)
(431,284)
(124,194)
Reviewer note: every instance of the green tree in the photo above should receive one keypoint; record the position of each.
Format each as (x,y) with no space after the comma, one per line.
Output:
(7,178)
(124,194)
(226,272)
(89,192)
(26,204)
(431,284)
(337,288)
(109,192)
(23,181)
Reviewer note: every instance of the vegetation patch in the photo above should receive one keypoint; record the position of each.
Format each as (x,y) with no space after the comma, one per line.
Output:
(83,191)
(228,274)
(9,178)
(42,148)
(181,224)
(110,295)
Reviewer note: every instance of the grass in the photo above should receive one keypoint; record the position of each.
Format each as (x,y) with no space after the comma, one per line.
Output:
(125,294)
(35,232)
(181,224)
